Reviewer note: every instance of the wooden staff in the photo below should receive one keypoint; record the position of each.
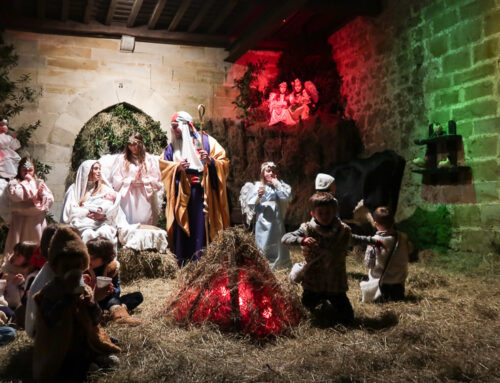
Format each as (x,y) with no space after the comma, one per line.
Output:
(201,113)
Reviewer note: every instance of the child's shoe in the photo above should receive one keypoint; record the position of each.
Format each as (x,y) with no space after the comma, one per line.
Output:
(119,314)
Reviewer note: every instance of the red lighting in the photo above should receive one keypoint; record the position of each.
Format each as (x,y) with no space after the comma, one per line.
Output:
(261,310)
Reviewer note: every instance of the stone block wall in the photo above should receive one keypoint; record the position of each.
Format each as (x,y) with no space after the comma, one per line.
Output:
(82,76)
(431,60)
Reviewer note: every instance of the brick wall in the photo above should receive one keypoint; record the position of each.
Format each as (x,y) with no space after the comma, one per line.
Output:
(431,60)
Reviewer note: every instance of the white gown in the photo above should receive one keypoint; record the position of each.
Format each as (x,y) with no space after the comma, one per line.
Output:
(27,211)
(106,202)
(269,227)
(137,187)
(9,159)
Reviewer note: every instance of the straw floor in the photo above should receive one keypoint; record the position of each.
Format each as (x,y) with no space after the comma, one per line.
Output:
(446,331)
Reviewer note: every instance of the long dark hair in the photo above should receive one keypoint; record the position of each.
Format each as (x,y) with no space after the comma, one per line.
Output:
(141,152)
(23,163)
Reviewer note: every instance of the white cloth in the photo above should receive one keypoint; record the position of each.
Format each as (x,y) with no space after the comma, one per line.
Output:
(137,186)
(106,202)
(143,239)
(184,148)
(4,201)
(28,208)
(9,159)
(270,210)
(45,275)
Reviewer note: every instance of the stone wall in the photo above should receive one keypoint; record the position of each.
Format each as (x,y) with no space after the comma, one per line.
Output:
(82,76)
(431,60)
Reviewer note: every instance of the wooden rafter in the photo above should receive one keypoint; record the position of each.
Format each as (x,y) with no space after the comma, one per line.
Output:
(142,33)
(201,15)
(40,9)
(178,15)
(222,16)
(133,14)
(88,11)
(111,11)
(160,4)
(269,22)
(65,10)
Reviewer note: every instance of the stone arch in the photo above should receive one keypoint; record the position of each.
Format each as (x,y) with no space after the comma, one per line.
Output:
(58,149)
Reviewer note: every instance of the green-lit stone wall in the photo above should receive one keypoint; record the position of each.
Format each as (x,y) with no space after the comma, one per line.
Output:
(431,60)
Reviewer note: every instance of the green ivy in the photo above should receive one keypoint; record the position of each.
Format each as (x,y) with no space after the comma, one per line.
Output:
(108,133)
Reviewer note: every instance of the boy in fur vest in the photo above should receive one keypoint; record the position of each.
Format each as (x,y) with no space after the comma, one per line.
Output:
(324,240)
(67,331)
(103,264)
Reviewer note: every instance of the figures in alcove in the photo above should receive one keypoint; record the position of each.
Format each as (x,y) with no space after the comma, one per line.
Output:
(290,108)
(279,107)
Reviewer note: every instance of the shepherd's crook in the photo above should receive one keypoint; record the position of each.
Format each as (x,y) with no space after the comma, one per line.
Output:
(201,113)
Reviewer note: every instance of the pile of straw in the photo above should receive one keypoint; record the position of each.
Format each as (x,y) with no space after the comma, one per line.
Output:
(233,287)
(146,264)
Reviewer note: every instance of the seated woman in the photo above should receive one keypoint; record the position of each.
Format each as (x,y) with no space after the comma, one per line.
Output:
(91,205)
(30,198)
(136,177)
(278,107)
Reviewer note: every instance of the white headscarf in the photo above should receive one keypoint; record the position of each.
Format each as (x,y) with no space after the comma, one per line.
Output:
(183,147)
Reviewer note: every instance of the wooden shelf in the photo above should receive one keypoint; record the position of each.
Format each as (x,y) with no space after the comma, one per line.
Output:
(445,138)
(454,175)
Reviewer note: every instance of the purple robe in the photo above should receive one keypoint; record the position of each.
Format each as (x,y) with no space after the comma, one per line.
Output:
(189,247)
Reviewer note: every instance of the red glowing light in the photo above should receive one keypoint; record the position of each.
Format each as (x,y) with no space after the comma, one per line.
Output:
(262,309)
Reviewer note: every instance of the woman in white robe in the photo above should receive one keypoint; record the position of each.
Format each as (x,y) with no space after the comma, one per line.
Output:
(136,177)
(30,199)
(269,199)
(91,205)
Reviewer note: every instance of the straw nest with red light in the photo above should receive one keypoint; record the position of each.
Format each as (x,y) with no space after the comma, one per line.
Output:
(233,287)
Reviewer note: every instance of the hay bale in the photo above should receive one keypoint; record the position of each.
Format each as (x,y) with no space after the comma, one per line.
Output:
(233,287)
(146,264)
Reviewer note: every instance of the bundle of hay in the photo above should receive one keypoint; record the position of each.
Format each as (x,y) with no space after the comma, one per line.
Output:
(233,287)
(146,264)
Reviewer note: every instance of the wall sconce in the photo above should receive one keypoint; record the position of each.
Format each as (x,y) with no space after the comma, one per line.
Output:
(127,44)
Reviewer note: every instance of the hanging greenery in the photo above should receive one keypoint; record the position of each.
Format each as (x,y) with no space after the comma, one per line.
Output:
(108,132)
(15,94)
(249,97)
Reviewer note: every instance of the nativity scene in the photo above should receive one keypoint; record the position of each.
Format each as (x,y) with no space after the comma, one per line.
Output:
(248,191)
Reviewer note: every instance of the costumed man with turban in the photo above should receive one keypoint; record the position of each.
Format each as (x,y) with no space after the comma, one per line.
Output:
(193,168)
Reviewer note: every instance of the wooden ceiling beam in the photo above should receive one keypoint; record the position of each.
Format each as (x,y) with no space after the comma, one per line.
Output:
(65,10)
(111,12)
(134,12)
(88,11)
(160,5)
(269,22)
(178,15)
(142,33)
(201,15)
(222,16)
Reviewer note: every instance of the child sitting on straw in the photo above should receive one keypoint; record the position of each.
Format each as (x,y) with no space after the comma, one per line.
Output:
(103,264)
(388,263)
(15,270)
